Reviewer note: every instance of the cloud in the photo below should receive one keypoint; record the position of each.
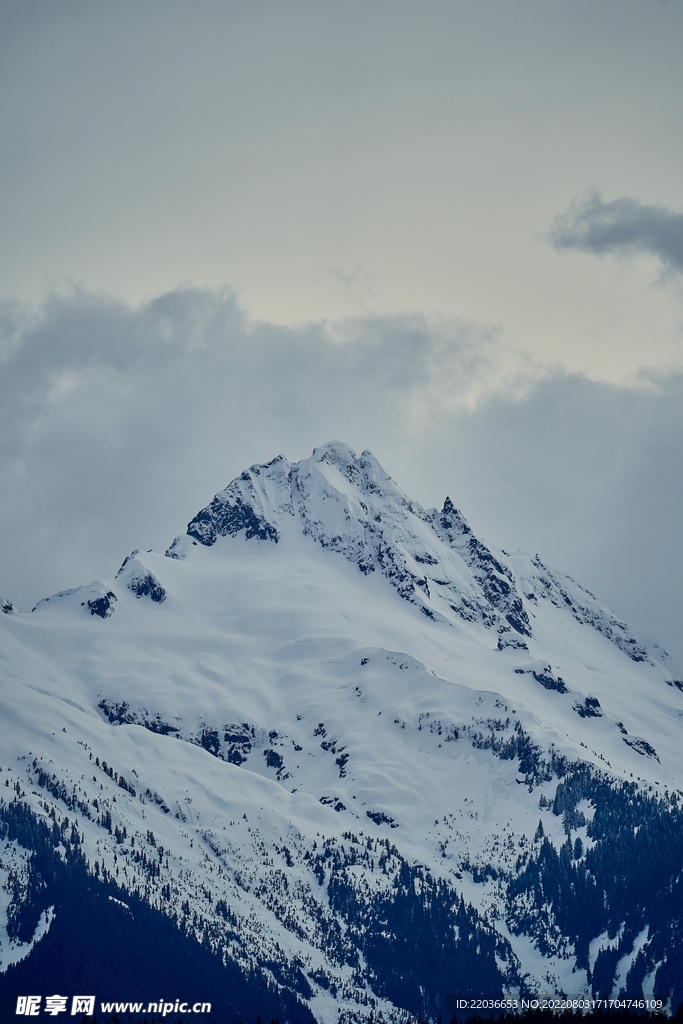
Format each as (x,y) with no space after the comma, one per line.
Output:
(118,423)
(621,226)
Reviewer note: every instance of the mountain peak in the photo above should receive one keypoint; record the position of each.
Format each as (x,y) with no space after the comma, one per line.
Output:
(342,710)
(350,505)
(337,453)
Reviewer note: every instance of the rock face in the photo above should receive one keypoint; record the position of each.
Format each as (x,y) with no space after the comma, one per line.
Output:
(140,581)
(351,506)
(335,754)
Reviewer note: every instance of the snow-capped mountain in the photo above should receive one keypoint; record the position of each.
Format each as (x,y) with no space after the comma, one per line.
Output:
(339,754)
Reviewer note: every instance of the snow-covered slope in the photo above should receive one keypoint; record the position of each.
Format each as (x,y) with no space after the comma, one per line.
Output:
(331,720)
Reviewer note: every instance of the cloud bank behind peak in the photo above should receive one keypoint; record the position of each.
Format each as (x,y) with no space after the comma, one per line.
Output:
(117,423)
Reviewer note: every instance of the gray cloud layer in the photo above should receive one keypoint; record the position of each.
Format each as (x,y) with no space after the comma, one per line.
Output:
(623,225)
(117,424)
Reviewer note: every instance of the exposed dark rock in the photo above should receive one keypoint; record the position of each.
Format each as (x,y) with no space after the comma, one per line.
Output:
(641,746)
(333,801)
(380,818)
(589,709)
(147,586)
(544,675)
(226,519)
(102,606)
(549,681)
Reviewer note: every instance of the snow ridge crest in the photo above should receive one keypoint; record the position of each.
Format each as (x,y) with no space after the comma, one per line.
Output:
(349,505)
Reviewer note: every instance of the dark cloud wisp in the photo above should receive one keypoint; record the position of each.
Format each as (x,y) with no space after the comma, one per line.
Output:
(621,226)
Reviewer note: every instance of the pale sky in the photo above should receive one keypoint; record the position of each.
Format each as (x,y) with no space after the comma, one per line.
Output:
(451,232)
(326,158)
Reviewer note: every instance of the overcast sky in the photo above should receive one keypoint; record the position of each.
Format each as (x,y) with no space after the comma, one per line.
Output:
(448,232)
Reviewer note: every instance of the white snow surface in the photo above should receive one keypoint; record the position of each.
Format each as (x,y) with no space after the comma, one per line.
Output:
(345,646)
